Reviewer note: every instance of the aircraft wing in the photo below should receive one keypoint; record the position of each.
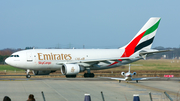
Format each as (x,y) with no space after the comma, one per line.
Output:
(90,61)
(123,79)
(133,79)
(106,60)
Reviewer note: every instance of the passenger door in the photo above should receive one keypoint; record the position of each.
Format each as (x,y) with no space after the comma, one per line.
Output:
(29,57)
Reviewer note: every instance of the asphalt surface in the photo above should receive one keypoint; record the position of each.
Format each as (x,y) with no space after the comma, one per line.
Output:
(73,89)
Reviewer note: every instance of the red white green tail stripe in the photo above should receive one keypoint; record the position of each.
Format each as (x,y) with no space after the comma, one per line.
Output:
(143,39)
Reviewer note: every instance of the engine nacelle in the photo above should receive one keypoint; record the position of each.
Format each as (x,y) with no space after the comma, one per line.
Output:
(44,72)
(134,73)
(71,69)
(122,73)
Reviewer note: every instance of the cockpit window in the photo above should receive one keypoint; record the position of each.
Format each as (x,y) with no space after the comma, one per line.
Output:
(14,56)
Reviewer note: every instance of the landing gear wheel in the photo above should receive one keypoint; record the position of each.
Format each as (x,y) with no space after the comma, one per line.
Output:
(136,81)
(119,81)
(92,75)
(70,76)
(88,75)
(28,76)
(85,75)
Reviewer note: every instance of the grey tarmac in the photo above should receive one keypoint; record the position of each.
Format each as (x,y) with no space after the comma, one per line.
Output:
(73,89)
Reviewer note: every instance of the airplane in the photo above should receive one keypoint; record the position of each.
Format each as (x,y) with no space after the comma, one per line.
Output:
(73,61)
(128,77)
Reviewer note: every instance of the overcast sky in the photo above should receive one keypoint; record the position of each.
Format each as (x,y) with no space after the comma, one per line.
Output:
(93,23)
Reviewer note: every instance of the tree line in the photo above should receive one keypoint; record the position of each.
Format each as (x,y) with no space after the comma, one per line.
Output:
(6,53)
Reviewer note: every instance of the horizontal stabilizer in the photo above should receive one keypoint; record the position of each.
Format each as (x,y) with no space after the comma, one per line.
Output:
(152,51)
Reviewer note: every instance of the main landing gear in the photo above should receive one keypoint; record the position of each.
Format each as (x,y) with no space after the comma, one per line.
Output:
(136,81)
(91,75)
(28,75)
(70,76)
(88,74)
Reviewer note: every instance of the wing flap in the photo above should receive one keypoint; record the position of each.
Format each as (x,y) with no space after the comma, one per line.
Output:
(123,79)
(144,78)
(92,61)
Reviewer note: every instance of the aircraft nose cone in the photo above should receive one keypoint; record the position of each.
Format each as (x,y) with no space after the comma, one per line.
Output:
(128,75)
(7,61)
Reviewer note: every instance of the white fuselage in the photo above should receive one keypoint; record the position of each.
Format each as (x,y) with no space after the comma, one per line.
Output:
(128,76)
(47,59)
(77,60)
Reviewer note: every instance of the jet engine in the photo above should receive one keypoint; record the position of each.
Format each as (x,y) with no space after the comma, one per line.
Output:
(45,72)
(71,69)
(134,73)
(122,73)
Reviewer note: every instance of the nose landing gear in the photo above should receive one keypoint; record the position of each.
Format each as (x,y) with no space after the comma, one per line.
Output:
(28,75)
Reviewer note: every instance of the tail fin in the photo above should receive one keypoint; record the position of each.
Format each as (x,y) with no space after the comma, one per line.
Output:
(143,39)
